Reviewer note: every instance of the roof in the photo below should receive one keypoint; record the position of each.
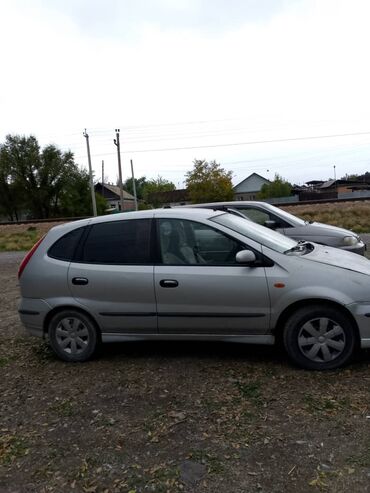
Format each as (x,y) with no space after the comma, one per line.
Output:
(180,195)
(115,189)
(252,183)
(331,183)
(328,184)
(177,212)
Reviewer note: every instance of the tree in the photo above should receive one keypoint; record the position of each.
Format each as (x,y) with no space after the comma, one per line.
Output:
(139,185)
(75,199)
(208,182)
(152,187)
(42,182)
(9,191)
(277,188)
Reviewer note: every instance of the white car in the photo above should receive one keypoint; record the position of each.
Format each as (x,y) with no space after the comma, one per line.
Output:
(292,226)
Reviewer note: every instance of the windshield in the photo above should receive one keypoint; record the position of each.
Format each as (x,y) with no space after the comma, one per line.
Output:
(255,232)
(297,221)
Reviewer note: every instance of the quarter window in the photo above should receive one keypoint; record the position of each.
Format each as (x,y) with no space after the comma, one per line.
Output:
(65,247)
(119,242)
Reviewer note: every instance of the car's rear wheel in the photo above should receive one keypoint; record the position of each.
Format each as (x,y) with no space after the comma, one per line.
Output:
(319,337)
(73,336)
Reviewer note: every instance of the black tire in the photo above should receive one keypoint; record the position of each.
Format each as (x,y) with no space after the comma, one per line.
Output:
(319,337)
(73,336)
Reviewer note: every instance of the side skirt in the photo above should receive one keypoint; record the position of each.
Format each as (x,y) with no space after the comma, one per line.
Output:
(267,339)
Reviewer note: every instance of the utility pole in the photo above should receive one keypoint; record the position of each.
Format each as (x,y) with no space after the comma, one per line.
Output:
(102,178)
(133,184)
(86,135)
(117,144)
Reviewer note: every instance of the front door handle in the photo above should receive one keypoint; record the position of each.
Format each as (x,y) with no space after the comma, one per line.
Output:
(168,283)
(80,281)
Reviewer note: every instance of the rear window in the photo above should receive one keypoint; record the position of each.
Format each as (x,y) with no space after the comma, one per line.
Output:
(65,247)
(118,242)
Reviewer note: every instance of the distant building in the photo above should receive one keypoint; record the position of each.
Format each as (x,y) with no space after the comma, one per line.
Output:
(339,186)
(111,193)
(250,187)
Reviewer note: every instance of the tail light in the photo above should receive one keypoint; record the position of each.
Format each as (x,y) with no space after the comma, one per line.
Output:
(28,257)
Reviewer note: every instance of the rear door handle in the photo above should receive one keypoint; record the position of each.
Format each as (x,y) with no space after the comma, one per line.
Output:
(168,283)
(80,281)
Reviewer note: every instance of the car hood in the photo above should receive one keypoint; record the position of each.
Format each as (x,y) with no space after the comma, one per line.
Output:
(339,258)
(328,230)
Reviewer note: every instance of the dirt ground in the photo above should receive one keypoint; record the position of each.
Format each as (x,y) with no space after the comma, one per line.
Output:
(171,417)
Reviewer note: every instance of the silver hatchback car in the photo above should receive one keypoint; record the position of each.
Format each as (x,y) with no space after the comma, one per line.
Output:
(195,274)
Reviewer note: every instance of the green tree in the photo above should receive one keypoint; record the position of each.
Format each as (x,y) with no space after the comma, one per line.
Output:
(43,182)
(208,182)
(139,185)
(11,197)
(152,188)
(277,188)
(75,199)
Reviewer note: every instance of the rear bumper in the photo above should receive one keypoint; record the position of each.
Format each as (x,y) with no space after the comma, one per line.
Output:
(32,313)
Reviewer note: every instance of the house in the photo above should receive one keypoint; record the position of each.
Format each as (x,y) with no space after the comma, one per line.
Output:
(111,193)
(249,187)
(339,186)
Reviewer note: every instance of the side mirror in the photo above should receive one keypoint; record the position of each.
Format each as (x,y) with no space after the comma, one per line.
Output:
(271,224)
(245,257)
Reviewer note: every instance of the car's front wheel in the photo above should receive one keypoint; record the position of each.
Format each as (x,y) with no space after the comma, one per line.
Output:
(73,336)
(319,337)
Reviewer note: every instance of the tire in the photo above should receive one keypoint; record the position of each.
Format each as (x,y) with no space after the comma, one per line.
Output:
(73,336)
(319,337)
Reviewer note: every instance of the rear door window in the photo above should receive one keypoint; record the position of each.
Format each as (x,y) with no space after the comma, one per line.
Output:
(118,242)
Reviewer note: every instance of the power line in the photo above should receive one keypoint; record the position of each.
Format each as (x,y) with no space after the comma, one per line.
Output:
(255,142)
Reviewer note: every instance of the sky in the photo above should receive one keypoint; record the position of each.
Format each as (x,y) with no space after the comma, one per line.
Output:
(266,86)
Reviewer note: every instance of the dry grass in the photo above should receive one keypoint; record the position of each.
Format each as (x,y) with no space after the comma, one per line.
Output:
(349,215)
(21,237)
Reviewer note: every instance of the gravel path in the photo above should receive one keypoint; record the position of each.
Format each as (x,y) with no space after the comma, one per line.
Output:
(175,417)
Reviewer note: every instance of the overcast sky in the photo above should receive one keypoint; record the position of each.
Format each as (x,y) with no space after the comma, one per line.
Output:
(186,79)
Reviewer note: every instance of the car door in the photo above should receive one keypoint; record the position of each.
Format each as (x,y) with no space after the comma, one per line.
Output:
(200,289)
(113,276)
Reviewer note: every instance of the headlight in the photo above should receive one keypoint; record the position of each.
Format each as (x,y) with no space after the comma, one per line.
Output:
(350,240)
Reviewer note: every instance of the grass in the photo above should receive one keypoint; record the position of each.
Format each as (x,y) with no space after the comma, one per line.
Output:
(63,408)
(250,391)
(348,215)
(11,448)
(213,463)
(361,460)
(18,242)
(21,237)
(317,404)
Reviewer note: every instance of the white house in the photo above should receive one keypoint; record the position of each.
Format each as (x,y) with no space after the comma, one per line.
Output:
(249,187)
